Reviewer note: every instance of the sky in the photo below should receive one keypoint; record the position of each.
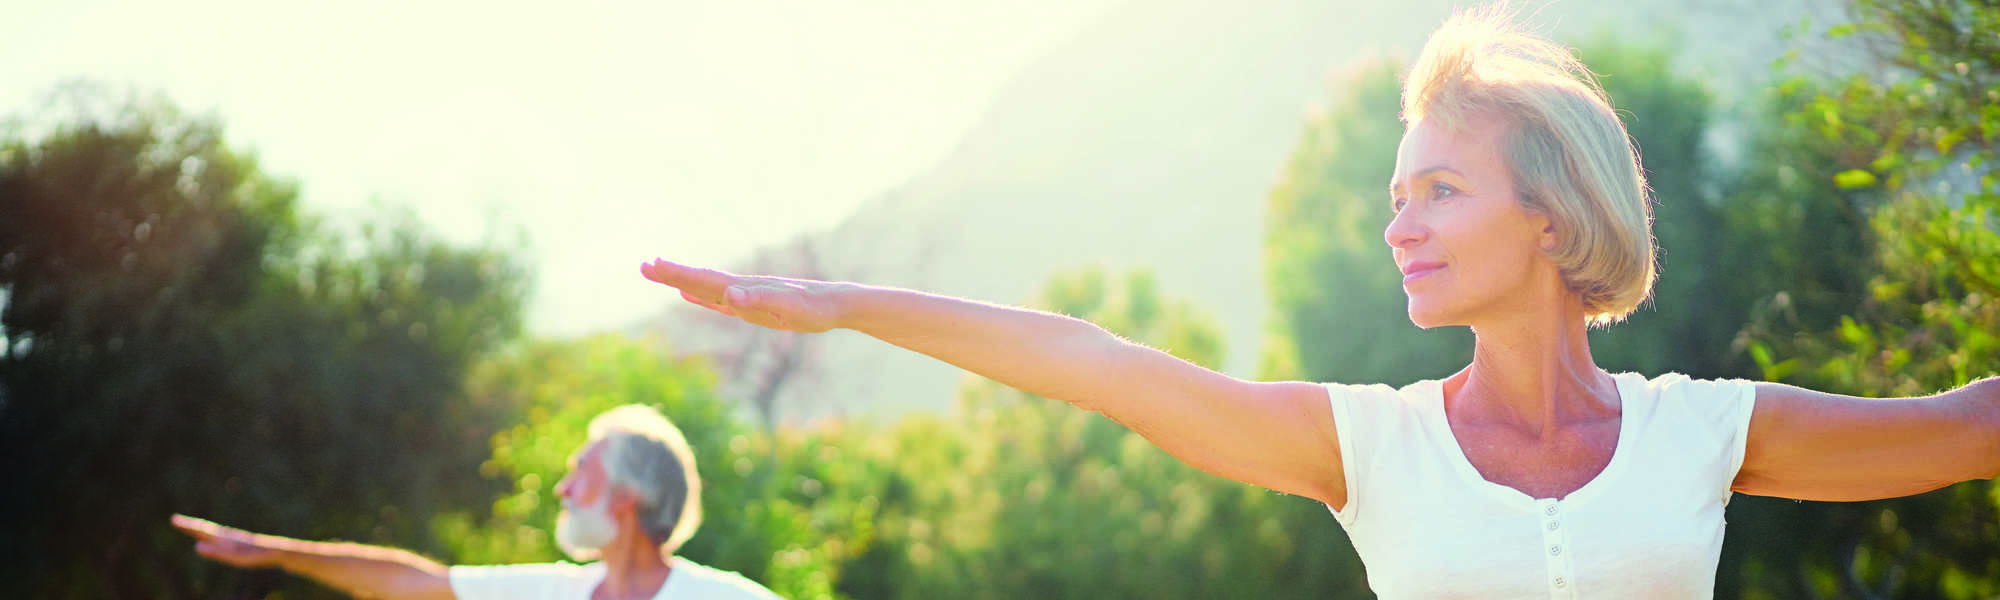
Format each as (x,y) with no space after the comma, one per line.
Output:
(606,132)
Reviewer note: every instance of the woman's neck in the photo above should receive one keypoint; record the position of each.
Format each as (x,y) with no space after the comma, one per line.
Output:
(1533,369)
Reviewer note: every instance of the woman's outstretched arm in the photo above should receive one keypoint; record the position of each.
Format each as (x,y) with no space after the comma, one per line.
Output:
(1276,435)
(1810,445)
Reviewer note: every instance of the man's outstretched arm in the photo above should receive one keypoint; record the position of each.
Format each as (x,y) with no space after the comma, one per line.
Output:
(360,570)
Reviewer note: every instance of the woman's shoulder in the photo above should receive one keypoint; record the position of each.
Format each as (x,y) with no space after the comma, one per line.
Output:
(1414,393)
(1380,406)
(1712,402)
(1681,386)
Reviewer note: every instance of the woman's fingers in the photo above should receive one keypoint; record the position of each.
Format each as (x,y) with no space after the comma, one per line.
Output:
(766,301)
(703,283)
(709,288)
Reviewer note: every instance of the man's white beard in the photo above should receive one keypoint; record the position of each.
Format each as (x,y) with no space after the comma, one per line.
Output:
(582,531)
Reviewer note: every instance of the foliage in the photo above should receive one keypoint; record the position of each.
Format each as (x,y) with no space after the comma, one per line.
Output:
(1918,149)
(178,338)
(1911,142)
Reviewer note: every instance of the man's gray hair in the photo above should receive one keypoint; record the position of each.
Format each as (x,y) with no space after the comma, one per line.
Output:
(645,454)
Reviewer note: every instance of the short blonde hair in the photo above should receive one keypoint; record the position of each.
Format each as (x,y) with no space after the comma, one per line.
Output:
(645,454)
(1568,153)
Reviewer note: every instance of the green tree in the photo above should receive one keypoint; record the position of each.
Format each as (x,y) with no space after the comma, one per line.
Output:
(1910,143)
(178,338)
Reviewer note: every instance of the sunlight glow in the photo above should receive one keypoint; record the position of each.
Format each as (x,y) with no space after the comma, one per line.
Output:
(609,132)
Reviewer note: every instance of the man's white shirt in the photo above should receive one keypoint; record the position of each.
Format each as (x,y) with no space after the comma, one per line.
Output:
(565,581)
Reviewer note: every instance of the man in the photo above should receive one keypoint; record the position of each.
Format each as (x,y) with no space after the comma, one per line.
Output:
(632,497)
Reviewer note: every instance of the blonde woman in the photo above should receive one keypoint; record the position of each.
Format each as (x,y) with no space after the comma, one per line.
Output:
(1522,214)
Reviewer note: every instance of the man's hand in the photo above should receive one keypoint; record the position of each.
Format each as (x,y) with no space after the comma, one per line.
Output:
(360,570)
(229,545)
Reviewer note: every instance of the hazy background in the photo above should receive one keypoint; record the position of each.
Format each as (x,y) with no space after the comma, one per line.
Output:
(964,147)
(957,147)
(365,271)
(609,132)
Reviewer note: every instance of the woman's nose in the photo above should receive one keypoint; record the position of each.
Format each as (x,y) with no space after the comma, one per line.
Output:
(1405,231)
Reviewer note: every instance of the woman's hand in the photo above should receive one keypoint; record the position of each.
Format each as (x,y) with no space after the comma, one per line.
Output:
(800,305)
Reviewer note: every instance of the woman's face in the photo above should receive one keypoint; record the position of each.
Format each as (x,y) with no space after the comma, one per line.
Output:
(1469,251)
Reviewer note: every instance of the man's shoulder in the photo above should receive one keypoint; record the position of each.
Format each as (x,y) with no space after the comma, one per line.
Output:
(695,580)
(554,569)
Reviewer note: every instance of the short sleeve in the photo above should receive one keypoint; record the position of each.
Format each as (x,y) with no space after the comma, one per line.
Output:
(1362,414)
(1739,400)
(1722,408)
(524,582)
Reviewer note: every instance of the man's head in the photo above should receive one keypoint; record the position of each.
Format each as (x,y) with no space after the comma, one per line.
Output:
(636,476)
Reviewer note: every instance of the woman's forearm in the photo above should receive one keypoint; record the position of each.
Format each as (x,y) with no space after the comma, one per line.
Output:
(1041,353)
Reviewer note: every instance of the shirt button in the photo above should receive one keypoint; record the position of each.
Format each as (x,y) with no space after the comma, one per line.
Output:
(1560,581)
(1550,511)
(1552,525)
(1555,550)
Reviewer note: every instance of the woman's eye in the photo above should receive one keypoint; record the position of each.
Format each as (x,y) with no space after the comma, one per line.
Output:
(1442,190)
(1396,204)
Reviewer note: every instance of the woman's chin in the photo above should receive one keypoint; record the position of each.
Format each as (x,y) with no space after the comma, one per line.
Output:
(1425,317)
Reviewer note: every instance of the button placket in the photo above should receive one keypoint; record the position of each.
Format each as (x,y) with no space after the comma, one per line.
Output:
(1555,542)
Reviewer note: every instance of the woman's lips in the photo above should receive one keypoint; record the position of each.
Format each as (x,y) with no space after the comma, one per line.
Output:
(1417,270)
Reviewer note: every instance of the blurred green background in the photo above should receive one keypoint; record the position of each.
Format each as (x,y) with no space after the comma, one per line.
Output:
(180,334)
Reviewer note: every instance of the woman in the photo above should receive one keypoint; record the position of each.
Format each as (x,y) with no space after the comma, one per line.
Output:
(1520,213)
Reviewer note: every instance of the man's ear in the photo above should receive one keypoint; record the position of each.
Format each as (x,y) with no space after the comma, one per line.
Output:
(623,505)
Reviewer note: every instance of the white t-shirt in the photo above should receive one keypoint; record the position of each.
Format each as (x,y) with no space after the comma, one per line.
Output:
(1427,525)
(565,581)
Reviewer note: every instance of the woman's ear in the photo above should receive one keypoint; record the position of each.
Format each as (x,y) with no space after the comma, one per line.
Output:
(1548,236)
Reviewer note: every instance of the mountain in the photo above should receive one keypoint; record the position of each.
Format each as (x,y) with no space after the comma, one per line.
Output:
(1151,140)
